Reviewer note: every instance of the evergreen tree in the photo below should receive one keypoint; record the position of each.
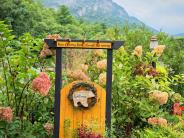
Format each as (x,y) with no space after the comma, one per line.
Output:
(64,16)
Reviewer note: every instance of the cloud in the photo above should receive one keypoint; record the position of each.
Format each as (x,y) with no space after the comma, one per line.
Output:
(167,15)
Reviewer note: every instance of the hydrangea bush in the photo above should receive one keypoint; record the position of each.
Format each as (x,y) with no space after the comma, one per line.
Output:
(143,97)
(26,92)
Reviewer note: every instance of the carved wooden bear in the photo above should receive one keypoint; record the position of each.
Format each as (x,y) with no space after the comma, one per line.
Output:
(82,97)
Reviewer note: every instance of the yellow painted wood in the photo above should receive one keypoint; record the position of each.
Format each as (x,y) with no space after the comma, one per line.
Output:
(71,118)
(66,44)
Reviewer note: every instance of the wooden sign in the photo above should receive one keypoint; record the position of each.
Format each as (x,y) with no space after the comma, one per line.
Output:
(90,45)
(83,44)
(81,105)
(71,117)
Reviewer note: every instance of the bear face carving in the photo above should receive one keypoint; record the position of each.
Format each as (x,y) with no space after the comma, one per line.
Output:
(82,97)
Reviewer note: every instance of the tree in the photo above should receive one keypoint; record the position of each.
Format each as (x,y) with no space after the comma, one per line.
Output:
(64,16)
(28,16)
(17,15)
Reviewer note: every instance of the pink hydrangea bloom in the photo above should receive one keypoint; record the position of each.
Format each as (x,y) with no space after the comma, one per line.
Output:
(45,52)
(6,114)
(101,65)
(102,79)
(48,127)
(78,75)
(98,52)
(158,50)
(177,109)
(162,122)
(84,67)
(42,84)
(153,120)
(157,121)
(138,51)
(160,97)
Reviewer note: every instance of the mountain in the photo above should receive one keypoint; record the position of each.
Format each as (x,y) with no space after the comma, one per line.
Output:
(181,34)
(105,11)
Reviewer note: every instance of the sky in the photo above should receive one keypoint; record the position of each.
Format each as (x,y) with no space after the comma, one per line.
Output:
(165,15)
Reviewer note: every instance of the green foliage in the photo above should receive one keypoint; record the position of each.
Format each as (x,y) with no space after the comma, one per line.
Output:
(21,128)
(20,64)
(173,131)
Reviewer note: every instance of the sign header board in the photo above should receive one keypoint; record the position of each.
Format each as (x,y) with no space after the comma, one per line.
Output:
(83,44)
(91,45)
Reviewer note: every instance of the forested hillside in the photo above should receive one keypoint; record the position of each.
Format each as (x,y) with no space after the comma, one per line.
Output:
(143,97)
(104,11)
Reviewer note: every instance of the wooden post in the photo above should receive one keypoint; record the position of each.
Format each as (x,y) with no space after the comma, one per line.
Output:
(58,86)
(109,89)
